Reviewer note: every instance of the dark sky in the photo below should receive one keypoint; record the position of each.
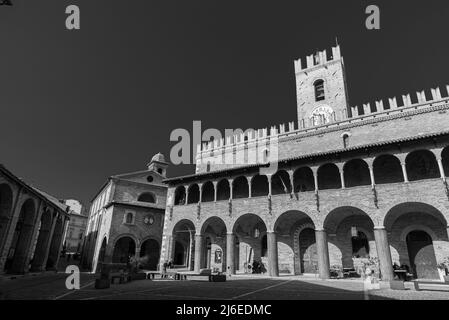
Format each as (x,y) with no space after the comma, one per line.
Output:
(79,106)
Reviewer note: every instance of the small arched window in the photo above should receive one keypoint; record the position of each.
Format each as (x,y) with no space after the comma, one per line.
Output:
(129,218)
(159,171)
(345,140)
(266,156)
(208,167)
(319,90)
(147,197)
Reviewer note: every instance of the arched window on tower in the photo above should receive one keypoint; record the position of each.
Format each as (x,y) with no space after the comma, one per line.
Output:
(319,90)
(208,167)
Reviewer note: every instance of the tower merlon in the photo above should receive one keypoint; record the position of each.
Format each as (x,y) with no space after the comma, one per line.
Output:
(319,58)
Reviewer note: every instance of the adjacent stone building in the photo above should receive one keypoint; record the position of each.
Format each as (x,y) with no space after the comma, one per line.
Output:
(32,224)
(126,218)
(74,233)
(341,185)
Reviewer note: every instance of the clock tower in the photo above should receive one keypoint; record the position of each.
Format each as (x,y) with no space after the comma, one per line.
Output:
(321,89)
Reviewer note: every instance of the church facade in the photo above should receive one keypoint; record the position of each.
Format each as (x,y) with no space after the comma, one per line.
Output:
(350,185)
(126,218)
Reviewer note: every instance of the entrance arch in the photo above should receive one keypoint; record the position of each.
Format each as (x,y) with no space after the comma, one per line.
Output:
(182,251)
(249,229)
(149,254)
(42,240)
(418,237)
(124,249)
(293,245)
(214,232)
(350,237)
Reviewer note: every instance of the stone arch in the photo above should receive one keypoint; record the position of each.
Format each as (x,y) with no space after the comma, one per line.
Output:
(249,230)
(259,186)
(303,179)
(356,173)
(329,177)
(180,195)
(421,164)
(339,224)
(223,190)
(214,230)
(411,218)
(42,240)
(181,251)
(240,188)
(387,169)
(280,183)
(21,241)
(147,197)
(124,247)
(193,194)
(289,251)
(208,192)
(297,244)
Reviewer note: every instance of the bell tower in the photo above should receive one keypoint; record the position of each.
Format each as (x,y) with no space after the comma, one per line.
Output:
(321,89)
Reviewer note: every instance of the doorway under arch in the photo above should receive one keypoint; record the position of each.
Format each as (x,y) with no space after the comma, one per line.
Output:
(149,253)
(421,253)
(124,249)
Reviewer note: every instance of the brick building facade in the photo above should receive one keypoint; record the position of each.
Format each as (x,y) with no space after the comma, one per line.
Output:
(349,184)
(32,224)
(126,218)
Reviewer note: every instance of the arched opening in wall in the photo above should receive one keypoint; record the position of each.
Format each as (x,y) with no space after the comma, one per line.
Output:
(249,229)
(214,231)
(42,241)
(387,169)
(280,183)
(193,194)
(55,244)
(360,245)
(329,177)
(356,173)
(208,192)
(180,195)
(149,255)
(303,180)
(418,233)
(124,250)
(445,160)
(288,227)
(5,210)
(259,186)
(223,190)
(240,188)
(183,244)
(319,90)
(147,197)
(421,254)
(208,166)
(351,238)
(129,218)
(15,260)
(421,164)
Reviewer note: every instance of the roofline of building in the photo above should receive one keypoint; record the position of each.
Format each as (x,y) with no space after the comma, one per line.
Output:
(35,191)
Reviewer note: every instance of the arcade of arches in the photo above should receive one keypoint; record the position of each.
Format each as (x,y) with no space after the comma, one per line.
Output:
(414,234)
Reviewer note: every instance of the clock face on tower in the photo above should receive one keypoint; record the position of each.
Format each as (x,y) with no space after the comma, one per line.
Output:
(321,115)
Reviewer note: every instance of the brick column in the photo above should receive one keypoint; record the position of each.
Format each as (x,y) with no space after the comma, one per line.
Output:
(191,241)
(61,241)
(230,246)
(198,252)
(41,265)
(323,253)
(273,268)
(383,253)
(34,238)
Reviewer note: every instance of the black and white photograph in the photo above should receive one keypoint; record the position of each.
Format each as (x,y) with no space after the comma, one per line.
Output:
(220,157)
